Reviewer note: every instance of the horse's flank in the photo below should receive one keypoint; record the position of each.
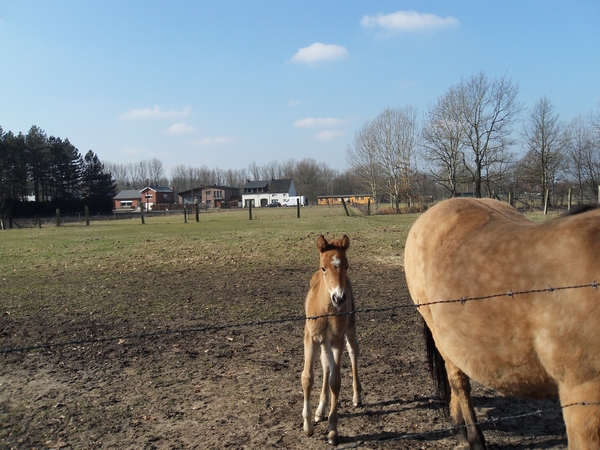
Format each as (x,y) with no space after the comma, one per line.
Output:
(530,345)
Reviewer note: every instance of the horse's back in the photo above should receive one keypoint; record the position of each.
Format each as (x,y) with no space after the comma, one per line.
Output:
(523,344)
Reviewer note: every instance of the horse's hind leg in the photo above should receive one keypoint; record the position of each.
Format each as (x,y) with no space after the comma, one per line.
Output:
(321,414)
(462,413)
(581,412)
(352,346)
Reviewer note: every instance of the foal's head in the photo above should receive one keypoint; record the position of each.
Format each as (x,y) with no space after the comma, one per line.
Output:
(334,266)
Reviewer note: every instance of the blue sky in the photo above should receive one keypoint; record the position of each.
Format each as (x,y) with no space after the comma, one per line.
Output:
(229,83)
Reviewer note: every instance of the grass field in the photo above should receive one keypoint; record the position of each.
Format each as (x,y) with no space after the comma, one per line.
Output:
(236,387)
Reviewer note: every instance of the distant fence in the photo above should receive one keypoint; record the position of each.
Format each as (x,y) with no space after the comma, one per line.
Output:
(71,219)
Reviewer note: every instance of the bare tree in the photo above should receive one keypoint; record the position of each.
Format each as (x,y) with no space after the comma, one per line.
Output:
(120,174)
(443,142)
(394,136)
(545,140)
(487,111)
(156,172)
(362,158)
(584,155)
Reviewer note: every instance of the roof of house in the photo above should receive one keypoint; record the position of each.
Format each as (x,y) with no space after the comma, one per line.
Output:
(158,189)
(127,194)
(273,186)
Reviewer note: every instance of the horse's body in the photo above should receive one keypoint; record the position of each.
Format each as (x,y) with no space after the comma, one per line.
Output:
(536,345)
(330,292)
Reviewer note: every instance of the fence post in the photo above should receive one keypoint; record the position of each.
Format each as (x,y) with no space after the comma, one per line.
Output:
(250,209)
(510,198)
(58,217)
(298,208)
(368,207)
(184,213)
(569,198)
(345,207)
(197,212)
(546,201)
(142,215)
(87,216)
(599,193)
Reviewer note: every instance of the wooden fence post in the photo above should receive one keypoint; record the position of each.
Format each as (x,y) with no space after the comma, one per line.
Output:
(142,215)
(345,207)
(184,213)
(197,212)
(58,217)
(87,216)
(298,208)
(569,198)
(368,207)
(250,209)
(546,201)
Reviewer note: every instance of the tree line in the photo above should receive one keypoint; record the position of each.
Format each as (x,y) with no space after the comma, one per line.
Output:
(471,141)
(468,142)
(40,173)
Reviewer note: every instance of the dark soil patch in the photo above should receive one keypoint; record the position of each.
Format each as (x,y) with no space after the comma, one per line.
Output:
(238,387)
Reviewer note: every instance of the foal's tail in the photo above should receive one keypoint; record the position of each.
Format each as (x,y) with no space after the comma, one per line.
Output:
(437,368)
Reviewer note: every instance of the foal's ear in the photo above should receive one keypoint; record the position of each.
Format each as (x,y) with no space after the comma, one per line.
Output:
(345,242)
(322,243)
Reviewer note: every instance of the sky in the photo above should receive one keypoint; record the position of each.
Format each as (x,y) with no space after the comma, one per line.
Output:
(226,84)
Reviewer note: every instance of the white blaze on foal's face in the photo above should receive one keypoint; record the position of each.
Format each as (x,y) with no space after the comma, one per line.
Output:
(336,289)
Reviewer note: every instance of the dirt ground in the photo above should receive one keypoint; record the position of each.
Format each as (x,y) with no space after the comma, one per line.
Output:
(238,387)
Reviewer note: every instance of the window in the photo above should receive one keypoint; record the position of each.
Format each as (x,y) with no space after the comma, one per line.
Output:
(126,204)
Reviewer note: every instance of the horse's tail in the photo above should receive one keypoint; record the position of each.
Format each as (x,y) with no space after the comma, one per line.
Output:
(437,368)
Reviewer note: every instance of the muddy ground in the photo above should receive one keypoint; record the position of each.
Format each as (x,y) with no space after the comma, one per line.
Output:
(238,387)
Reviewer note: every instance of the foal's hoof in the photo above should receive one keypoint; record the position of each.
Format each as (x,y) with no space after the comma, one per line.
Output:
(333,438)
(309,429)
(320,418)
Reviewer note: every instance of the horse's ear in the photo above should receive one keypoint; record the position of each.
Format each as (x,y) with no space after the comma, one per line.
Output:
(321,243)
(345,242)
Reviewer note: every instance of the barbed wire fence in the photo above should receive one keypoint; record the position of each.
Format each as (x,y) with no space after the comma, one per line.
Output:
(257,323)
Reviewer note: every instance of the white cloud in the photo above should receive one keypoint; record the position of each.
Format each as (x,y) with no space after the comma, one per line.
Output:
(221,140)
(328,135)
(181,128)
(319,52)
(314,122)
(156,112)
(408,21)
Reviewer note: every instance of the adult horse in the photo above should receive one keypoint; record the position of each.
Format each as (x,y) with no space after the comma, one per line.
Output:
(531,344)
(330,299)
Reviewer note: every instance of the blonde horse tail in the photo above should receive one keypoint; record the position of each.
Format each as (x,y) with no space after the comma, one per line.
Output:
(437,368)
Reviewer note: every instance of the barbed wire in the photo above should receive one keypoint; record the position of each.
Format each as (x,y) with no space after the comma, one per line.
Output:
(202,329)
(494,420)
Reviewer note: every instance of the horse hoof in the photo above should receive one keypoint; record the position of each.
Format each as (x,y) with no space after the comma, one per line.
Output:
(332,438)
(320,418)
(309,429)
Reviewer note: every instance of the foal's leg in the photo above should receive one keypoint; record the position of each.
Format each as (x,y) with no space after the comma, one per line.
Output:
(352,346)
(324,399)
(335,381)
(462,411)
(310,352)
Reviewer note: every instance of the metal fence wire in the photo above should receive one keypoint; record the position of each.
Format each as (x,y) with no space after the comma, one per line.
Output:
(362,444)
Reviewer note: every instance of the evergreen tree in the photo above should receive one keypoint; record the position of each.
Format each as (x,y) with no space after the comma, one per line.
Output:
(95,182)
